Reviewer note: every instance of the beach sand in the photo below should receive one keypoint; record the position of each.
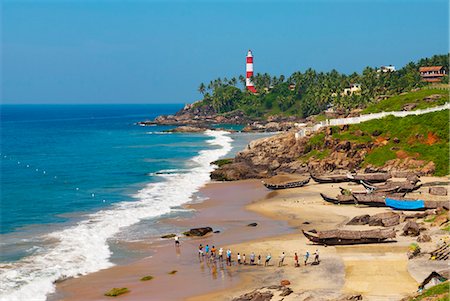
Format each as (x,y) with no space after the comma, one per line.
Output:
(378,271)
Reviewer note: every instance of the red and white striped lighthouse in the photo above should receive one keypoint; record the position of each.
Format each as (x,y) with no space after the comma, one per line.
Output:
(249,73)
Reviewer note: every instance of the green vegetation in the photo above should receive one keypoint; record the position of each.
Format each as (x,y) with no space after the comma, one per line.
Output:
(114,292)
(310,92)
(147,278)
(438,292)
(424,137)
(222,162)
(446,228)
(396,103)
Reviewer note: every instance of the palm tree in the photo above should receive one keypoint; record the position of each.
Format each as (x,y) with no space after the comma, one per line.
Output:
(202,89)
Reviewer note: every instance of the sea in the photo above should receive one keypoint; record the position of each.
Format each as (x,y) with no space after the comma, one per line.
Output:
(79,180)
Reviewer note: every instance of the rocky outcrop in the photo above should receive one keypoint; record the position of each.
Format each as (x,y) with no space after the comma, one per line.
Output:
(198,231)
(384,219)
(266,293)
(411,229)
(187,129)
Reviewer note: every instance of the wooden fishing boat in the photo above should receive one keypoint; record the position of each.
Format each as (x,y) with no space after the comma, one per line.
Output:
(408,204)
(375,199)
(406,186)
(330,178)
(340,199)
(349,237)
(370,177)
(287,185)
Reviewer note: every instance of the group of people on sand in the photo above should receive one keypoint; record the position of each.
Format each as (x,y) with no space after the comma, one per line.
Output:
(212,254)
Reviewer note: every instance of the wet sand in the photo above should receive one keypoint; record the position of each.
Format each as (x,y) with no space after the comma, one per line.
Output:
(223,211)
(378,271)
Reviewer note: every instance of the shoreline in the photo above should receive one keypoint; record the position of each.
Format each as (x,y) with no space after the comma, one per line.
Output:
(359,269)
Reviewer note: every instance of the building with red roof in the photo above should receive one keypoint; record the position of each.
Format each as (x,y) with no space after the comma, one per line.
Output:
(432,73)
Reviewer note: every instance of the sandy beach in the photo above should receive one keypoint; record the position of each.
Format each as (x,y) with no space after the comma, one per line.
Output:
(377,271)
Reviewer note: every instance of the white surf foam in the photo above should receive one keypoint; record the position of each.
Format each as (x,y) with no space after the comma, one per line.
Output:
(83,248)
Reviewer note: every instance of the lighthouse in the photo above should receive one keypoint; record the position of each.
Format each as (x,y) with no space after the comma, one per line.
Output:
(249,73)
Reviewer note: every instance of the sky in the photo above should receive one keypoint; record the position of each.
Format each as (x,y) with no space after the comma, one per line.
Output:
(82,51)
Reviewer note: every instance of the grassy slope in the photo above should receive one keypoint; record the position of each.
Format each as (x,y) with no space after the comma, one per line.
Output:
(412,131)
(438,292)
(397,102)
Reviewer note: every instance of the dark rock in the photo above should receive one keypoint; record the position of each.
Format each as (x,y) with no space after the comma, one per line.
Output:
(376,133)
(411,229)
(396,140)
(217,231)
(306,223)
(198,231)
(252,225)
(255,296)
(169,235)
(359,220)
(286,292)
(187,129)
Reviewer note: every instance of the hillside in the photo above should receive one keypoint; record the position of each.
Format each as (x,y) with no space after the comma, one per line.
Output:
(308,93)
(415,100)
(415,143)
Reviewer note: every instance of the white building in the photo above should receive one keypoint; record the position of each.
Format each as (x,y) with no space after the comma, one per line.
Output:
(389,68)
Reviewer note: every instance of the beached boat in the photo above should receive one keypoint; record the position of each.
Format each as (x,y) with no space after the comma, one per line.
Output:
(406,186)
(340,199)
(348,237)
(330,178)
(287,185)
(370,177)
(405,204)
(375,199)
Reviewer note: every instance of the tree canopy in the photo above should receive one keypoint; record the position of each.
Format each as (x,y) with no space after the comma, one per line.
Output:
(310,92)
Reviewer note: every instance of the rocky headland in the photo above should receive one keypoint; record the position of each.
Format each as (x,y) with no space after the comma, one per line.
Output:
(197,117)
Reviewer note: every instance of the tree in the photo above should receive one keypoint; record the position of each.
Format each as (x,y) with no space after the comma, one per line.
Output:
(202,89)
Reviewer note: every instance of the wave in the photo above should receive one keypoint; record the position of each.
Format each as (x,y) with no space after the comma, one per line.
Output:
(83,248)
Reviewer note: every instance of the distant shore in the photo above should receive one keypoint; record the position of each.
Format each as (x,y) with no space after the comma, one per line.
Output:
(378,270)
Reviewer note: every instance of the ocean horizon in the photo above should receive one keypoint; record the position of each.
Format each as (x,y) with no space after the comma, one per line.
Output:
(78,178)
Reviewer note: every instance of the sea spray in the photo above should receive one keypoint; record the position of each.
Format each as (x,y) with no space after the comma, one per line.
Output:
(83,248)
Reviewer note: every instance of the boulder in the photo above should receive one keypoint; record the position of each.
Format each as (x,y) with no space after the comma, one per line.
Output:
(252,225)
(255,296)
(424,238)
(359,220)
(411,228)
(198,231)
(169,235)
(286,292)
(285,282)
(409,106)
(437,191)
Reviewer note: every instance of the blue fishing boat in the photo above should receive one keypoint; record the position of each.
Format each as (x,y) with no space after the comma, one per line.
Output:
(405,204)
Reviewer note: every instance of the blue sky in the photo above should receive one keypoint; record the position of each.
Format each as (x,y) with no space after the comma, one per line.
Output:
(160,51)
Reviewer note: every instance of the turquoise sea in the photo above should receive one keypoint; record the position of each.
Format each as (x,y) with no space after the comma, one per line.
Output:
(76,178)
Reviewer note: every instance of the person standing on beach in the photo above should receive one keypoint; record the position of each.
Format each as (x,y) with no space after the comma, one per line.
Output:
(200,250)
(213,252)
(268,257)
(243,258)
(252,258)
(316,257)
(177,241)
(259,259)
(282,256)
(229,257)
(239,258)
(306,257)
(207,250)
(296,260)
(221,254)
